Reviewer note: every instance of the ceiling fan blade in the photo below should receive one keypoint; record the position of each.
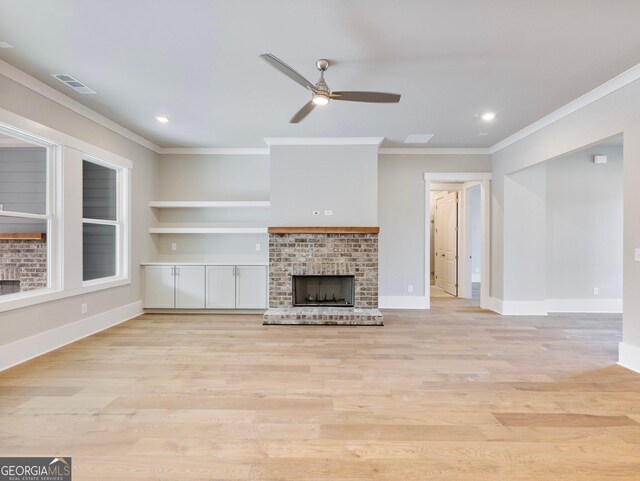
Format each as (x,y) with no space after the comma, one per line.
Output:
(303,112)
(377,97)
(288,71)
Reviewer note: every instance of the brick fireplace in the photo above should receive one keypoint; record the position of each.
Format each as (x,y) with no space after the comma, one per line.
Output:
(321,252)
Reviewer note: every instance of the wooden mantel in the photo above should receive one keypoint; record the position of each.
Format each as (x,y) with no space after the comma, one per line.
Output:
(22,236)
(323,230)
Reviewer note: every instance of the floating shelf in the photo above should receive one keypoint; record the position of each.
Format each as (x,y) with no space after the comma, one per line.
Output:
(179,204)
(207,230)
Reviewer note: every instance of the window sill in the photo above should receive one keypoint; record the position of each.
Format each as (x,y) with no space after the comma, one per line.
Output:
(41,296)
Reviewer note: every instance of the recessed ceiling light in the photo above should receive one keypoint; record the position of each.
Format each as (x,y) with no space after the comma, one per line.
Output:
(5,45)
(482,134)
(488,116)
(162,119)
(418,138)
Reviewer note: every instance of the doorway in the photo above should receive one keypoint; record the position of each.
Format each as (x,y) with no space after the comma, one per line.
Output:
(457,237)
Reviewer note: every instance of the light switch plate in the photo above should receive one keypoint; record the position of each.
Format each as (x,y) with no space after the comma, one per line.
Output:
(174,246)
(637,254)
(258,247)
(328,212)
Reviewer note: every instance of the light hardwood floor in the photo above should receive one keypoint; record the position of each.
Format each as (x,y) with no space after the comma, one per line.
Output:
(452,394)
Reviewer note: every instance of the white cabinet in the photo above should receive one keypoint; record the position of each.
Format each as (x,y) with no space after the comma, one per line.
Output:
(210,287)
(190,287)
(221,287)
(159,287)
(251,287)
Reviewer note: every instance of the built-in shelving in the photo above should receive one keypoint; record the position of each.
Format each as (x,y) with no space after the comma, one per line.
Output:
(207,230)
(180,204)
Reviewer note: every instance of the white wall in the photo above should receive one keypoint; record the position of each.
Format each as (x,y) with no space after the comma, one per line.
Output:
(403,219)
(584,225)
(21,323)
(307,178)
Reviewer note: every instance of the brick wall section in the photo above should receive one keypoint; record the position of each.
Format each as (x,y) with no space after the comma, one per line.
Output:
(26,261)
(323,254)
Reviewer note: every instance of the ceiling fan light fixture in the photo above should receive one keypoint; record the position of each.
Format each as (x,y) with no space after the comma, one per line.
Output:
(320,99)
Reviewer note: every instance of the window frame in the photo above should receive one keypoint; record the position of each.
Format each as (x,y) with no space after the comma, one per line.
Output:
(66,279)
(121,223)
(51,215)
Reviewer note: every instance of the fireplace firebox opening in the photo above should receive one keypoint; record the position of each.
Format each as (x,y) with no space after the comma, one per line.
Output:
(334,291)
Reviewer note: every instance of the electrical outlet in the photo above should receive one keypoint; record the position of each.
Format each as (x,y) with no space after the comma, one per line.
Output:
(316,212)
(1,206)
(328,212)
(637,254)
(410,288)
(596,291)
(174,246)
(258,247)
(83,308)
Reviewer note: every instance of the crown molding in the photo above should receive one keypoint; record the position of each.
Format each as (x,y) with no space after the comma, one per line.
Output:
(271,141)
(610,86)
(433,151)
(37,86)
(213,151)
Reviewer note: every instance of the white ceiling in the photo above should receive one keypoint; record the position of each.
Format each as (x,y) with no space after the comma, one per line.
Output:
(196,61)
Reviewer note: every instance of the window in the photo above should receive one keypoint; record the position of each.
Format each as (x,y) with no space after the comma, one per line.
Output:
(26,214)
(102,226)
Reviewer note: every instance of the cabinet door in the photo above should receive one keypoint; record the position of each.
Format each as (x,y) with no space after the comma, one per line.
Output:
(190,288)
(221,287)
(251,287)
(159,287)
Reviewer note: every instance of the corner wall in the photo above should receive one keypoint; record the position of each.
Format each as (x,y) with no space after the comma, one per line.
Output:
(613,114)
(19,324)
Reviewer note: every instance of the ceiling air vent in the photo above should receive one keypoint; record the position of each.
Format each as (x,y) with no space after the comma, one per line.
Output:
(75,84)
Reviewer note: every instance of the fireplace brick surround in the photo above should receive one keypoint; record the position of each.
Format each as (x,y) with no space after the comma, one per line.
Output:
(323,251)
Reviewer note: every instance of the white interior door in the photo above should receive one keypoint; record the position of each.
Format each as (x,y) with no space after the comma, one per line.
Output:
(221,287)
(159,287)
(190,289)
(446,243)
(251,287)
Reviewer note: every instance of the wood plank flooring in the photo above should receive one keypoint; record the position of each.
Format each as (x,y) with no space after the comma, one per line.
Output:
(452,394)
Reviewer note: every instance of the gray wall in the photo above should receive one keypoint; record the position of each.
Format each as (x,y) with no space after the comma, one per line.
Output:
(475,225)
(402,215)
(611,115)
(212,177)
(341,178)
(524,253)
(584,225)
(20,323)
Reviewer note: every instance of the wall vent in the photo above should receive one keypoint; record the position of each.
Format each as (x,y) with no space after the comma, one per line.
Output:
(74,83)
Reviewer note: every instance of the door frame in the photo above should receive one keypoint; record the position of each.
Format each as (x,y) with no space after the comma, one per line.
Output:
(474,178)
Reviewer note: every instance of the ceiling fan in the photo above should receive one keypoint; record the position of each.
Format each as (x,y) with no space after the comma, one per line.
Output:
(321,92)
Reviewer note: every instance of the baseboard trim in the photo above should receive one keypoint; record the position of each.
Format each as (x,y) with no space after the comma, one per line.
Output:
(522,308)
(31,347)
(596,306)
(495,305)
(629,356)
(403,302)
